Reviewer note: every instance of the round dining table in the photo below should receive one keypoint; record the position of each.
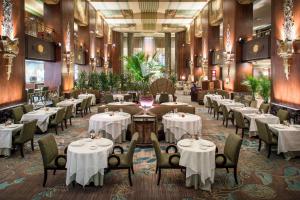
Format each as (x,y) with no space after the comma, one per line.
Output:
(174,104)
(86,161)
(177,125)
(121,103)
(112,124)
(198,156)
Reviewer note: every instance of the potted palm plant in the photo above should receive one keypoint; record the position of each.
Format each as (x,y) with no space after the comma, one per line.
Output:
(265,88)
(253,85)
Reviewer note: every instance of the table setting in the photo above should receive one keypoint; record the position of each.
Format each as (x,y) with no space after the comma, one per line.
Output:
(246,110)
(68,102)
(174,104)
(87,159)
(212,97)
(198,156)
(232,105)
(266,118)
(87,95)
(121,103)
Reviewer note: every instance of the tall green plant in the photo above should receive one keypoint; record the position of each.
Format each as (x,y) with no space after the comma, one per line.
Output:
(103,82)
(113,81)
(253,85)
(81,81)
(94,81)
(265,88)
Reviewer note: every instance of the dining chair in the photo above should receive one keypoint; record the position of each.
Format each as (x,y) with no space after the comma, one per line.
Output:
(55,101)
(253,104)
(88,104)
(283,115)
(164,97)
(217,109)
(81,107)
(227,115)
(240,122)
(264,107)
(52,160)
(265,135)
(230,157)
(58,119)
(28,108)
(128,97)
(124,160)
(26,135)
(108,98)
(209,105)
(17,113)
(165,160)
(68,115)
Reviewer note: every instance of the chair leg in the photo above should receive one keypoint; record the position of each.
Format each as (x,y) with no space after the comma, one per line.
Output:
(62,126)
(259,145)
(54,171)
(159,176)
(236,130)
(243,130)
(235,175)
(227,169)
(156,170)
(32,147)
(270,148)
(129,176)
(66,123)
(226,123)
(56,129)
(22,150)
(45,177)
(71,121)
(132,170)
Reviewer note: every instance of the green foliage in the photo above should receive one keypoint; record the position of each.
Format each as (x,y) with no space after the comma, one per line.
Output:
(123,80)
(173,78)
(103,82)
(253,85)
(94,81)
(82,78)
(265,88)
(113,81)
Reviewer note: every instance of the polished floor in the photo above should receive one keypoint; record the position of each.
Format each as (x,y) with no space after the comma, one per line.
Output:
(259,177)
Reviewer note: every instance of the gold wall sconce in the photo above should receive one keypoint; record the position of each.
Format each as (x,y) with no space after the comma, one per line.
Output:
(9,46)
(68,60)
(285,48)
(93,64)
(228,56)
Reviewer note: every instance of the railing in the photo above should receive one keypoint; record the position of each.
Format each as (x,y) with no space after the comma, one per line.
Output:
(37,29)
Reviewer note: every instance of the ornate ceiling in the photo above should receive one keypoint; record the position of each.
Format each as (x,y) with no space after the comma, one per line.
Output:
(148,16)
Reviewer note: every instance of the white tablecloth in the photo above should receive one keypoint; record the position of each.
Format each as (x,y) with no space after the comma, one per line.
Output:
(220,101)
(175,126)
(119,97)
(232,105)
(158,96)
(246,110)
(266,118)
(174,104)
(42,116)
(121,104)
(69,102)
(212,97)
(288,137)
(6,134)
(85,96)
(83,162)
(119,122)
(199,160)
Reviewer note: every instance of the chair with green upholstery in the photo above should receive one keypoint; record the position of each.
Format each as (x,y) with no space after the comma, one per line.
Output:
(240,123)
(164,97)
(108,98)
(227,115)
(81,107)
(264,107)
(209,105)
(55,100)
(58,119)
(17,113)
(124,160)
(165,160)
(28,108)
(68,115)
(88,104)
(217,109)
(52,160)
(265,135)
(26,135)
(283,115)
(253,104)
(230,157)
(61,98)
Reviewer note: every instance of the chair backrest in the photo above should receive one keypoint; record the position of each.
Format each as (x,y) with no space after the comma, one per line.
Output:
(60,115)
(253,104)
(215,105)
(209,102)
(264,107)
(225,111)
(263,131)
(83,103)
(108,98)
(28,108)
(69,112)
(239,119)
(17,113)
(283,115)
(132,146)
(55,100)
(89,102)
(164,97)
(156,146)
(27,133)
(232,147)
(48,148)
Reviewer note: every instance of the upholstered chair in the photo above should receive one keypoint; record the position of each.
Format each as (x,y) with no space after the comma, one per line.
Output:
(26,135)
(165,160)
(88,104)
(52,160)
(81,107)
(28,108)
(164,97)
(264,107)
(240,123)
(17,114)
(55,101)
(283,115)
(124,160)
(230,157)
(253,104)
(227,115)
(108,98)
(209,105)
(217,109)
(265,135)
(68,115)
(58,119)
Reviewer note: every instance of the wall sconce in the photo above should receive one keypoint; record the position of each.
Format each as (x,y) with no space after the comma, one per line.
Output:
(93,64)
(8,44)
(285,47)
(68,55)
(228,55)
(204,62)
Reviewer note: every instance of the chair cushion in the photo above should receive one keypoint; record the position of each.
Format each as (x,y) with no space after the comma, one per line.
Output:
(124,162)
(61,162)
(220,160)
(164,160)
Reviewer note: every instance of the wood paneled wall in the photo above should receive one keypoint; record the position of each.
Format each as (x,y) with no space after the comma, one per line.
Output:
(182,53)
(13,90)
(284,91)
(116,52)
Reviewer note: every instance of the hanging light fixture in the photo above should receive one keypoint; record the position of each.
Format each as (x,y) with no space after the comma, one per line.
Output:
(285,47)
(8,44)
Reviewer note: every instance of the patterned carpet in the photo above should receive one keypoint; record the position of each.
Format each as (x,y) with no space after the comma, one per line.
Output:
(259,177)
